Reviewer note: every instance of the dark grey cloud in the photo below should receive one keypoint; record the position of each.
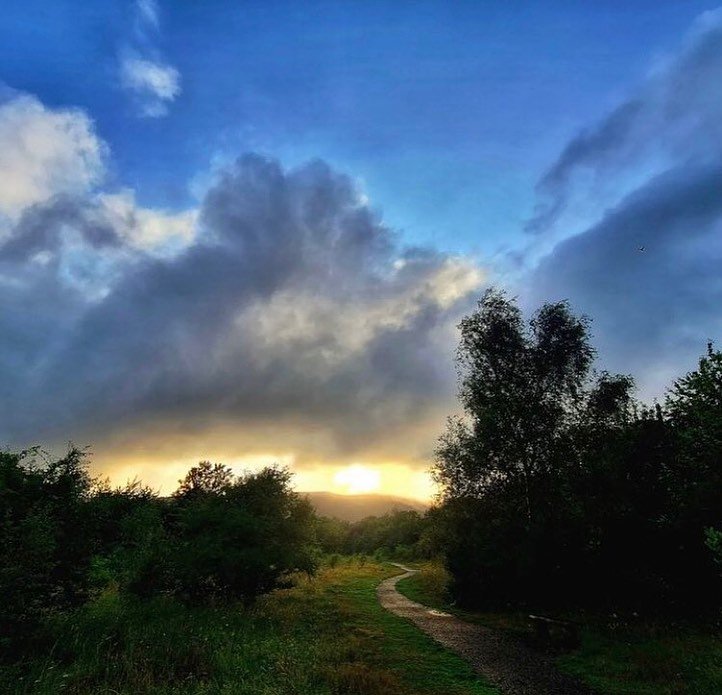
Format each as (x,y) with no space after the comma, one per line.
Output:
(675,116)
(593,146)
(654,308)
(294,304)
(41,228)
(649,269)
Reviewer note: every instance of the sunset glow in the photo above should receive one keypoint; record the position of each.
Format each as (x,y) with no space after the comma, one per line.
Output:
(357,479)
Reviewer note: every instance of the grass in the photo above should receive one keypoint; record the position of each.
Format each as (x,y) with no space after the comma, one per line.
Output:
(636,663)
(429,586)
(649,659)
(325,636)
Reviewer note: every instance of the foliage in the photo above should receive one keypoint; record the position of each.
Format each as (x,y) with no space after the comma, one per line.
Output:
(44,548)
(713,540)
(205,479)
(395,534)
(131,540)
(399,535)
(64,536)
(331,534)
(325,636)
(239,538)
(520,387)
(559,488)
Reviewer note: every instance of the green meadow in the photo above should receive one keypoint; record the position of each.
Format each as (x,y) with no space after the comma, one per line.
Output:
(325,635)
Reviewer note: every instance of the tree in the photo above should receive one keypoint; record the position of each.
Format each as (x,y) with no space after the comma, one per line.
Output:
(509,468)
(520,387)
(694,410)
(205,479)
(131,541)
(396,533)
(45,547)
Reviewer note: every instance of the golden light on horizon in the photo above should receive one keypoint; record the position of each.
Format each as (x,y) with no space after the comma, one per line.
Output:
(357,479)
(382,476)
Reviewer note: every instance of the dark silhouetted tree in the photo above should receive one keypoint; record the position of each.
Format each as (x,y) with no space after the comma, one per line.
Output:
(205,479)
(45,543)
(509,466)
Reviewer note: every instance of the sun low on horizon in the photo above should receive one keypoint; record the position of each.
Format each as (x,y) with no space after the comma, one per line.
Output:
(395,480)
(357,479)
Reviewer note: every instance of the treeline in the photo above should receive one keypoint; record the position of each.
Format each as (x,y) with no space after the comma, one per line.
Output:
(398,535)
(559,488)
(64,536)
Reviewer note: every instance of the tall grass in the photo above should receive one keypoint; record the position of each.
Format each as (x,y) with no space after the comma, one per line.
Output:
(326,635)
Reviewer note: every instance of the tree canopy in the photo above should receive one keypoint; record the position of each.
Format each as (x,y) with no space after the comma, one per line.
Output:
(559,486)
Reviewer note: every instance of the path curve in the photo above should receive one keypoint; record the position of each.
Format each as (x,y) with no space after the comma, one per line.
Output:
(503,660)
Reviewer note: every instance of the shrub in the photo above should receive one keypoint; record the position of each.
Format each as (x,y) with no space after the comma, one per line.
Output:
(45,549)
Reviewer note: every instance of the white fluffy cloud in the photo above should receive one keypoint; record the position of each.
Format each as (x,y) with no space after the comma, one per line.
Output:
(150,229)
(45,152)
(52,164)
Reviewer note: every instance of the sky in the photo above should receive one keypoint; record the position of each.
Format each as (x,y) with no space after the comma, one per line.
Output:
(246,231)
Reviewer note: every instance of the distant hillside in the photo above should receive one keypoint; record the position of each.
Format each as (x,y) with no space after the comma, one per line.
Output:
(355,507)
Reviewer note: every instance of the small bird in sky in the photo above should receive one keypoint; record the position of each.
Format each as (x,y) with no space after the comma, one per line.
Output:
(641,249)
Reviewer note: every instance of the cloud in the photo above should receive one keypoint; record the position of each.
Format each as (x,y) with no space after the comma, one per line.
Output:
(292,311)
(149,229)
(44,153)
(653,309)
(54,211)
(147,13)
(673,116)
(152,82)
(637,204)
(97,222)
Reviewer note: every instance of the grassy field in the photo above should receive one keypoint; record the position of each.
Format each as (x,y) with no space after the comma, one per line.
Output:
(631,660)
(326,635)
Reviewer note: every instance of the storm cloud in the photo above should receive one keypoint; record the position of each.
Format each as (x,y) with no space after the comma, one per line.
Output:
(648,182)
(292,305)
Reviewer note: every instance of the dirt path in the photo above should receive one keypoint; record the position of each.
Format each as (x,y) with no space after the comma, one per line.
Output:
(503,660)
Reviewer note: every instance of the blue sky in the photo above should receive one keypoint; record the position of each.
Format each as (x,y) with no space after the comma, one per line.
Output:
(448,113)
(247,231)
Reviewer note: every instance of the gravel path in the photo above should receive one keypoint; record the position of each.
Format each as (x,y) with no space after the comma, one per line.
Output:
(503,660)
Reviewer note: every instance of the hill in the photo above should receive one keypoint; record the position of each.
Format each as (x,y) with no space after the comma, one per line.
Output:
(356,507)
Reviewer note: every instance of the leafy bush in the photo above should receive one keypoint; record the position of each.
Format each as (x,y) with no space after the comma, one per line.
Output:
(45,549)
(239,537)
(713,541)
(63,536)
